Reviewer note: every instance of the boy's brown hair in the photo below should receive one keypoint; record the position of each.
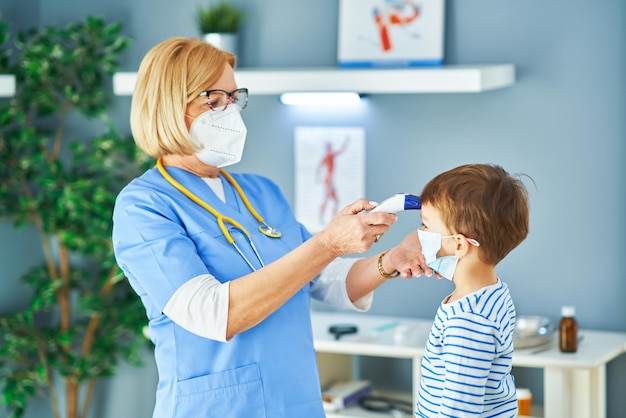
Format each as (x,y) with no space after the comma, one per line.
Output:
(483,202)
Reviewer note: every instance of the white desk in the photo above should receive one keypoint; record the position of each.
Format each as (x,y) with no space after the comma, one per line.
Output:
(574,384)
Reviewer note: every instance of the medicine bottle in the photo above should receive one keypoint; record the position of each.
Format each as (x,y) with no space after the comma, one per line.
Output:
(568,330)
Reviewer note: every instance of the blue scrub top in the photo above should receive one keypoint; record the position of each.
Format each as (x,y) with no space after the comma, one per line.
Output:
(162,240)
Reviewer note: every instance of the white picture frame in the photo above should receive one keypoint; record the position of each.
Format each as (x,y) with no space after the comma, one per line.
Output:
(391,33)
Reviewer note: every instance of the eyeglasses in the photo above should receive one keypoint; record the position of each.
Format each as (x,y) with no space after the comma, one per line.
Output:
(221,99)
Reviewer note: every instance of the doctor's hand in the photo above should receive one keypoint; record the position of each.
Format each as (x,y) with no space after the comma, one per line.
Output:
(352,232)
(407,257)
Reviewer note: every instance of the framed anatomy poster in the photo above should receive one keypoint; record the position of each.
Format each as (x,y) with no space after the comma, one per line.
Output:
(329,172)
(390,33)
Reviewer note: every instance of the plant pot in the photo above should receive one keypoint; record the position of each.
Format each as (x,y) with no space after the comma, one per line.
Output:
(226,41)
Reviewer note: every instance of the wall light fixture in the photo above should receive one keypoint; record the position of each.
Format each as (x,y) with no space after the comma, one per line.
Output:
(320,98)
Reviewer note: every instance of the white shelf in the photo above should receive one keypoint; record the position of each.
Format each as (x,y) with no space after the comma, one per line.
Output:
(447,79)
(7,85)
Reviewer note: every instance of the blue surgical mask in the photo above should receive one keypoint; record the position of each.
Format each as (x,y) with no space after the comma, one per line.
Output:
(431,244)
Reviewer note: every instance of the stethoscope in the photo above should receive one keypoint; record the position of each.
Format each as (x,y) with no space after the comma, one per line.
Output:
(264,228)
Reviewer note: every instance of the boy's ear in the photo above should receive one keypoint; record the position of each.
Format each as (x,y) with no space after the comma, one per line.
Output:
(462,245)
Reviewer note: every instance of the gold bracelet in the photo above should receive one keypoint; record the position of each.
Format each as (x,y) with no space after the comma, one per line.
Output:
(382,271)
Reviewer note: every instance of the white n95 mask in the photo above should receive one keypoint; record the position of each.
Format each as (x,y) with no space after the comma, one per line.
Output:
(431,244)
(221,134)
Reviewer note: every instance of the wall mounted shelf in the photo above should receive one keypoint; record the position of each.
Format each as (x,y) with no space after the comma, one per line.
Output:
(447,79)
(7,85)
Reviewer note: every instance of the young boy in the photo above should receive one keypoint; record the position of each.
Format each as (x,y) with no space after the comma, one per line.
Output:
(472,216)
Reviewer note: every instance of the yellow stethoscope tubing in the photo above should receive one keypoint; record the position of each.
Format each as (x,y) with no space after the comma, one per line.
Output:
(243,197)
(264,227)
(221,219)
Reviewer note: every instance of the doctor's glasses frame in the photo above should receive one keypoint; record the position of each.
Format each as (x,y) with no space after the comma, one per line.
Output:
(220,99)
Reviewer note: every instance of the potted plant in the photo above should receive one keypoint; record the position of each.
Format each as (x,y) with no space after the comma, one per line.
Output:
(82,316)
(219,24)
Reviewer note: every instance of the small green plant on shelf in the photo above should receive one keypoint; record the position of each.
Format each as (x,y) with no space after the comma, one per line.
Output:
(61,180)
(220,17)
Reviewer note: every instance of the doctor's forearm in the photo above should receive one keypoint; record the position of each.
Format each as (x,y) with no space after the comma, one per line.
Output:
(363,277)
(254,297)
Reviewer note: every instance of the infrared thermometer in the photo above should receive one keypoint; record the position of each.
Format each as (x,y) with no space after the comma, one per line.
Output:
(399,202)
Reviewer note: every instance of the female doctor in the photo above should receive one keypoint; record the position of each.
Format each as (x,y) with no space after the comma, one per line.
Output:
(223,268)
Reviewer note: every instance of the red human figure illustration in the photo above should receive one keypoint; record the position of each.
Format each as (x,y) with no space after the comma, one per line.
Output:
(327,164)
(393,14)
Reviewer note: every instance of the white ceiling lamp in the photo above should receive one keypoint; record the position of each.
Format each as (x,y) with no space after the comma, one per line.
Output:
(320,98)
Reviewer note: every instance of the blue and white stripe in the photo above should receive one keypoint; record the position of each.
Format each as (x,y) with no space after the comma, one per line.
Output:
(466,369)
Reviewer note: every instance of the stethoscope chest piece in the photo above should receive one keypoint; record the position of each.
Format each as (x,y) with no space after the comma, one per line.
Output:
(269,231)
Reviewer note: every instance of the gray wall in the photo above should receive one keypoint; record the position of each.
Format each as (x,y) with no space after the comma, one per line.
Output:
(562,123)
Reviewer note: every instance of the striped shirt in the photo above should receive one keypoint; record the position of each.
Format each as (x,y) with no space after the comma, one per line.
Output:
(466,369)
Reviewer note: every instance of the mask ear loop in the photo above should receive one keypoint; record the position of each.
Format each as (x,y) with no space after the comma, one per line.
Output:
(472,241)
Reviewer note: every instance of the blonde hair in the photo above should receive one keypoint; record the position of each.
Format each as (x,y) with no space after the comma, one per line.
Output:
(482,202)
(171,75)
